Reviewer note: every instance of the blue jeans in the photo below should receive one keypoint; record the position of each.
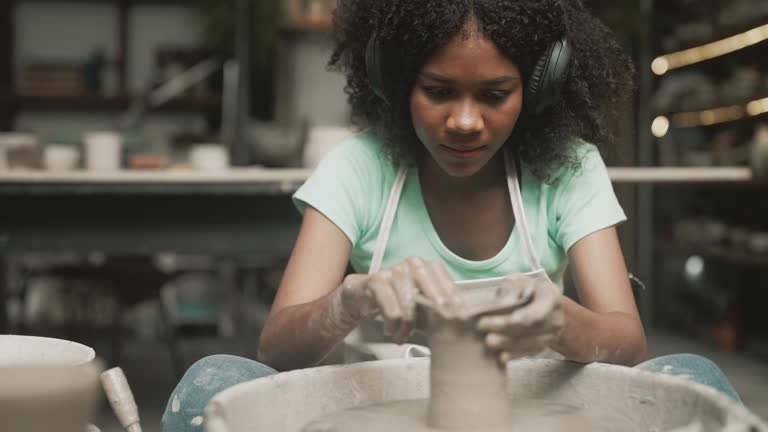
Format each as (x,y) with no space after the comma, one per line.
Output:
(202,381)
(694,367)
(213,374)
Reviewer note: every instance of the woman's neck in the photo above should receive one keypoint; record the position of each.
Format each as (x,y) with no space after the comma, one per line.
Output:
(438,182)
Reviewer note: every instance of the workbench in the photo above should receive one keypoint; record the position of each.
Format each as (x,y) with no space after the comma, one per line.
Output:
(240,212)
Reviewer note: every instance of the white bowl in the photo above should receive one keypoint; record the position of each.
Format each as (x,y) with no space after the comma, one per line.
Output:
(47,384)
(59,157)
(18,350)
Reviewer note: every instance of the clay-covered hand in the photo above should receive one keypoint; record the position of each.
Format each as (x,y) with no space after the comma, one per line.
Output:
(393,291)
(530,328)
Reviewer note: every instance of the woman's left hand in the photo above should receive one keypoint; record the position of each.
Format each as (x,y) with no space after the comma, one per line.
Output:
(527,330)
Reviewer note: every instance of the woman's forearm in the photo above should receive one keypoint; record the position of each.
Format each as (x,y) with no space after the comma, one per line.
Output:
(587,336)
(302,335)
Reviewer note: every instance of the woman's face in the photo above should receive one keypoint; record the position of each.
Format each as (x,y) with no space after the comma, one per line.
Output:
(465,103)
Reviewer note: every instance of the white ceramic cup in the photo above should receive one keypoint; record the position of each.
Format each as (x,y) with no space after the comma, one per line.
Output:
(209,157)
(103,151)
(60,157)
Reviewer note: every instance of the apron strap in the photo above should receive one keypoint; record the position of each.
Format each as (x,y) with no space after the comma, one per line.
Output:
(386,223)
(516,197)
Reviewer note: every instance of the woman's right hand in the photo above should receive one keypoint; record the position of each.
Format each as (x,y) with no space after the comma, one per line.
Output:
(392,292)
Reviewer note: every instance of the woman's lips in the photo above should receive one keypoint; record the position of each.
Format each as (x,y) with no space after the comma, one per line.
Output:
(463,153)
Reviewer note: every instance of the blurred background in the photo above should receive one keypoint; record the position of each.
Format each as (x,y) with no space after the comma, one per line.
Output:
(148,150)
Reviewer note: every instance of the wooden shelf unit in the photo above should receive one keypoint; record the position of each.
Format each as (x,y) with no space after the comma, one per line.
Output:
(724,120)
(12,100)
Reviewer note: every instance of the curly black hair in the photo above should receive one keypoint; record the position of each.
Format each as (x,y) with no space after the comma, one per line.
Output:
(599,82)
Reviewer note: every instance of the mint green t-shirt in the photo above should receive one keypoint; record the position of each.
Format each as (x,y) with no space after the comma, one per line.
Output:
(352,184)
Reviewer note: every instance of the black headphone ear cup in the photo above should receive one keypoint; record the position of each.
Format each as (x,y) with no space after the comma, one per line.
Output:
(373,66)
(547,77)
(533,88)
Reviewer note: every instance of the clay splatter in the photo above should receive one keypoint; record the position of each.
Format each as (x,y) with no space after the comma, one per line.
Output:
(204,379)
(175,405)
(197,421)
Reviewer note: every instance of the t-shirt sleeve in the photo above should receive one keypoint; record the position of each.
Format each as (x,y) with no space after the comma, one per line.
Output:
(339,187)
(585,201)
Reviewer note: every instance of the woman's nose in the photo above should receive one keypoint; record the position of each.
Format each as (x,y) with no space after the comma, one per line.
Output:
(465,118)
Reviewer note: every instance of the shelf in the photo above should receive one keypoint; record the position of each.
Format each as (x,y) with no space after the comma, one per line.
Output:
(751,109)
(246,180)
(86,101)
(684,175)
(719,254)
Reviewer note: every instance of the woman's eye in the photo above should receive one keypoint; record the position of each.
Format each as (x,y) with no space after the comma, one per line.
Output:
(438,93)
(496,96)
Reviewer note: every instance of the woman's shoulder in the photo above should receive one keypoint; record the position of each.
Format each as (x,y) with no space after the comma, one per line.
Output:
(587,153)
(349,185)
(586,161)
(363,148)
(582,201)
(359,162)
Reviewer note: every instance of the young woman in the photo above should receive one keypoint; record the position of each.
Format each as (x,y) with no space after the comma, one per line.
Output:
(479,159)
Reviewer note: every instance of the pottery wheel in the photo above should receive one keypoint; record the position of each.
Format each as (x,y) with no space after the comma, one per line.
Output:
(529,416)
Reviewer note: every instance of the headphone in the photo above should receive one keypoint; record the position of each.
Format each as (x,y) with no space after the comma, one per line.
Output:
(544,84)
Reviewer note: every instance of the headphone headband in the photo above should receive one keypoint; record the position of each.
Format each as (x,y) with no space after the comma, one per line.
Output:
(542,91)
(548,76)
(373,66)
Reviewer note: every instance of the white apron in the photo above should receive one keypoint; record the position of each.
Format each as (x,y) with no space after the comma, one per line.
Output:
(361,342)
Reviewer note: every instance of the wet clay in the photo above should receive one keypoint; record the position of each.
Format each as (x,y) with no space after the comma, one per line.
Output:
(467,387)
(529,416)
